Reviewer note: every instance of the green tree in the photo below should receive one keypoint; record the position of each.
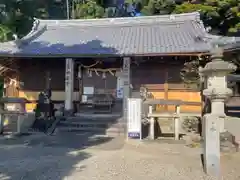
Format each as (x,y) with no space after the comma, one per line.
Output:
(87,10)
(157,7)
(17,16)
(223,16)
(5,33)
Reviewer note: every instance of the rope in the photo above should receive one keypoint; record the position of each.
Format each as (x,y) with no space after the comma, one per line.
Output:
(96,70)
(104,70)
(90,65)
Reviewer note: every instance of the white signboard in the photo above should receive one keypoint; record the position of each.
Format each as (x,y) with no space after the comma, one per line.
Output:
(134,118)
(88,90)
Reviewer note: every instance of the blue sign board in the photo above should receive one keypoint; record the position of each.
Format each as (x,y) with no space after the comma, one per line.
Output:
(134,135)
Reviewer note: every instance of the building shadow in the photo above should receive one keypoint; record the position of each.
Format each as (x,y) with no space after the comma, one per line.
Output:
(25,162)
(40,156)
(37,155)
(93,48)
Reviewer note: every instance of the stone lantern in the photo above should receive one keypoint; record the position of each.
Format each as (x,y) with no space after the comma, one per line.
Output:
(217,92)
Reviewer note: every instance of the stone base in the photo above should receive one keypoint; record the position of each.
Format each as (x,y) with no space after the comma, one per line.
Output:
(228,142)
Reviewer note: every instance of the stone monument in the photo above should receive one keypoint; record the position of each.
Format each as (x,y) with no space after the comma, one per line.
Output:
(217,92)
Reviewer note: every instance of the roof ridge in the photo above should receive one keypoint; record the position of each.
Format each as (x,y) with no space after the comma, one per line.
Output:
(123,20)
(123,25)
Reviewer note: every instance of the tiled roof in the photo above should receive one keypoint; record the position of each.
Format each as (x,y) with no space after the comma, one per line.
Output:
(150,35)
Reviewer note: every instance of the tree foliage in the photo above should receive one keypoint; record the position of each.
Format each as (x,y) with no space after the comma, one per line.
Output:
(222,16)
(158,7)
(87,10)
(190,72)
(5,33)
(16,16)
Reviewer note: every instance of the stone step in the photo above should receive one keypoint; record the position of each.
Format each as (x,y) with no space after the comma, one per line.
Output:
(92,121)
(91,129)
(87,124)
(105,124)
(90,124)
(95,116)
(97,127)
(112,131)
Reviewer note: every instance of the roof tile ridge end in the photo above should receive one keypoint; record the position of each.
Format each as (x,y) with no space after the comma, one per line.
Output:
(35,27)
(36,30)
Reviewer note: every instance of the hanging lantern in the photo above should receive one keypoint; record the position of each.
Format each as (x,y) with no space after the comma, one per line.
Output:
(104,75)
(111,72)
(96,72)
(89,73)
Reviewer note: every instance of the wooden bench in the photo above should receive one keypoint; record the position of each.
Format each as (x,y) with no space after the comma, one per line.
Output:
(177,115)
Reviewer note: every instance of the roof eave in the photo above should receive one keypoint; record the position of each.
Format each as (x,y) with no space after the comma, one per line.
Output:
(99,55)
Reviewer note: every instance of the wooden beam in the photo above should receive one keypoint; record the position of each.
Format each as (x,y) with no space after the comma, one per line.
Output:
(7,55)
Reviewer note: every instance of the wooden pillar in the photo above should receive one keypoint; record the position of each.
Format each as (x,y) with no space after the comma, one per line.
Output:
(48,80)
(166,87)
(80,83)
(126,85)
(80,86)
(69,84)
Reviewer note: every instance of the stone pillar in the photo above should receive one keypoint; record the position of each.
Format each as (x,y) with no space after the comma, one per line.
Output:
(152,124)
(213,123)
(126,85)
(176,123)
(69,85)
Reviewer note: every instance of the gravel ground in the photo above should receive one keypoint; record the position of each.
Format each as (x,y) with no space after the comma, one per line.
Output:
(109,160)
